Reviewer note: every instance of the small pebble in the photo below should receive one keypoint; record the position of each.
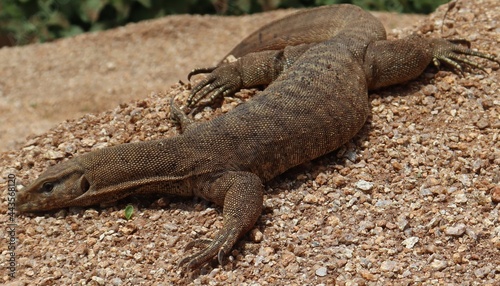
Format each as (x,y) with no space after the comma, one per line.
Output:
(483,123)
(482,272)
(460,198)
(388,265)
(406,273)
(457,258)
(88,142)
(367,275)
(439,265)
(364,185)
(116,281)
(429,90)
(465,180)
(496,242)
(383,203)
(321,272)
(310,199)
(410,242)
(457,230)
(402,223)
(53,155)
(98,280)
(256,235)
(495,195)
(128,229)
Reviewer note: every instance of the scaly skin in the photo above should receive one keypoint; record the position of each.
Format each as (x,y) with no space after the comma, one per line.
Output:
(317,99)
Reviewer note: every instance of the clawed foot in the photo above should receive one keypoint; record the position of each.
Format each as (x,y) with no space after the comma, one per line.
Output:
(243,197)
(218,247)
(450,51)
(224,80)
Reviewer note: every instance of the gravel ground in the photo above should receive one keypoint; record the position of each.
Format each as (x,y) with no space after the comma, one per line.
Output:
(412,200)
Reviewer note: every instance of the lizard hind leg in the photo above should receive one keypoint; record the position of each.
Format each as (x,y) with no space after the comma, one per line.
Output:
(242,195)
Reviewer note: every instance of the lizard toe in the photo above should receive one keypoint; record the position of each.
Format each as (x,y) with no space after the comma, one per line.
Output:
(210,249)
(201,257)
(198,243)
(224,80)
(200,71)
(449,51)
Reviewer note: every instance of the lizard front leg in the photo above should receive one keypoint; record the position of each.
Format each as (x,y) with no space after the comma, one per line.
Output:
(241,193)
(254,69)
(386,65)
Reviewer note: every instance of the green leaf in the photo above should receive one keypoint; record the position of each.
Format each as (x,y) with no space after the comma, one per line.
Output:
(129,211)
(100,26)
(58,19)
(90,10)
(73,30)
(244,5)
(145,3)
(122,9)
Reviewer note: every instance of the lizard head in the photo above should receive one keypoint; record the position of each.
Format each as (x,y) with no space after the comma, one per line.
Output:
(56,188)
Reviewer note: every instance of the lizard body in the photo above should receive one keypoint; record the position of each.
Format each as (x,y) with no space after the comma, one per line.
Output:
(317,100)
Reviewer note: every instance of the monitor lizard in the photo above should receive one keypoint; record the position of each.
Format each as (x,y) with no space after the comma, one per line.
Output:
(318,64)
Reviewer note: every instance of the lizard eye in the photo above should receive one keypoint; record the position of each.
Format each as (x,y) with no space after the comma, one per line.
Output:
(47,187)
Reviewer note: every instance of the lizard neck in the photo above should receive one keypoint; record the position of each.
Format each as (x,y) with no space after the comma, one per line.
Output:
(160,166)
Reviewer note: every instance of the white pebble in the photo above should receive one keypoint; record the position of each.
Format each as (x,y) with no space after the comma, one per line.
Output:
(364,185)
(460,198)
(439,264)
(321,272)
(410,242)
(457,230)
(388,265)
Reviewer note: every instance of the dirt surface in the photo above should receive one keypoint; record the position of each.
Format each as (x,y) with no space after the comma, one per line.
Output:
(408,202)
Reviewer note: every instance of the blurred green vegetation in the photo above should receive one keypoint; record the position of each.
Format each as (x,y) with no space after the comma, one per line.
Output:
(28,21)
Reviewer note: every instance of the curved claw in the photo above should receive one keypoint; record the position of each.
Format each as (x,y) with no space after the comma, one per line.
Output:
(177,115)
(242,207)
(462,42)
(225,90)
(199,243)
(223,80)
(195,260)
(210,249)
(200,70)
(195,95)
(221,257)
(449,52)
(175,111)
